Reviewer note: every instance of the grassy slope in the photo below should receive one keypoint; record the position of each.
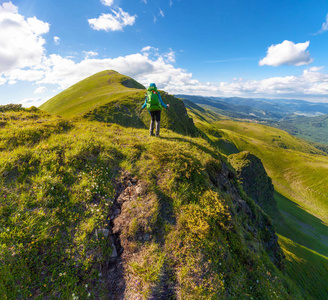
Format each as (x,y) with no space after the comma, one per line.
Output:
(58,181)
(92,92)
(310,128)
(81,165)
(299,173)
(114,98)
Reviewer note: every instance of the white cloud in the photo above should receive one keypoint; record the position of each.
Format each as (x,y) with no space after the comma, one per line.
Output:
(38,27)
(170,56)
(324,26)
(151,66)
(287,53)
(56,40)
(107,2)
(65,72)
(310,83)
(28,102)
(21,42)
(113,22)
(161,13)
(89,54)
(8,7)
(26,74)
(40,90)
(148,48)
(2,80)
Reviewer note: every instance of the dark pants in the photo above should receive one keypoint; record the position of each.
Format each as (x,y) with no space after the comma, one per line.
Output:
(155,116)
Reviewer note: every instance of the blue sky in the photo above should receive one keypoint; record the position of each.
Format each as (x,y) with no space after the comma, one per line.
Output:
(246,48)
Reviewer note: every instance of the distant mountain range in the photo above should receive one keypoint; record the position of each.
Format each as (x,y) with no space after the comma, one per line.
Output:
(301,118)
(267,109)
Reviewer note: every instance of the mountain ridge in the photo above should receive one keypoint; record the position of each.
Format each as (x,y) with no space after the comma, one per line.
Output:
(113,212)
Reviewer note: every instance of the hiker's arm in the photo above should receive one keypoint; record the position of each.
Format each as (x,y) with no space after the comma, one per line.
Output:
(145,104)
(160,99)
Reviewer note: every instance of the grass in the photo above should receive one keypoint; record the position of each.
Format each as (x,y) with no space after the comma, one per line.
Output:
(299,171)
(91,93)
(114,98)
(301,227)
(299,174)
(58,182)
(298,259)
(309,128)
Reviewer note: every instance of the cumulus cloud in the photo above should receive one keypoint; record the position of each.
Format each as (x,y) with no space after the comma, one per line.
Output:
(2,80)
(311,82)
(89,54)
(151,66)
(40,90)
(25,74)
(56,40)
(148,48)
(324,26)
(28,102)
(21,42)
(115,21)
(287,53)
(65,72)
(8,7)
(107,2)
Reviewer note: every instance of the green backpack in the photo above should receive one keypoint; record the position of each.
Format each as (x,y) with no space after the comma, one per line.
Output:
(153,102)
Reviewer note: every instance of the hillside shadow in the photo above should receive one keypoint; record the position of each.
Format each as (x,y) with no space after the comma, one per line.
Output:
(305,266)
(300,226)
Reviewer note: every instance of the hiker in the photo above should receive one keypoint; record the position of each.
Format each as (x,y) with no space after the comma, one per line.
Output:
(154,104)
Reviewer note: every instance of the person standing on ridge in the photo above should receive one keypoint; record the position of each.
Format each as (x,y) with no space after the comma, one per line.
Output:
(154,104)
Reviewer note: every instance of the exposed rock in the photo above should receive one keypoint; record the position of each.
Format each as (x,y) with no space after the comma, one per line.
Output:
(102,232)
(254,180)
(261,226)
(114,251)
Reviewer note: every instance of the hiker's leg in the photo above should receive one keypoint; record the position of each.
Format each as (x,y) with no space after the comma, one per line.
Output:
(158,121)
(151,127)
(157,127)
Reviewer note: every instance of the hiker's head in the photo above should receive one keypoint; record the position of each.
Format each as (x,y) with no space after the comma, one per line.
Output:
(152,85)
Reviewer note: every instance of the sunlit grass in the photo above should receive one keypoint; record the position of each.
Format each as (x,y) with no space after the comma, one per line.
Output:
(57,189)
(299,172)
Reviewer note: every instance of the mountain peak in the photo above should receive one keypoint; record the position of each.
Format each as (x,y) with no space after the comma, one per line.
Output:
(91,93)
(111,97)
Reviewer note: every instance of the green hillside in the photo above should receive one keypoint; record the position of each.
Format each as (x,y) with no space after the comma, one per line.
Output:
(92,92)
(299,173)
(91,207)
(115,98)
(314,129)
(100,211)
